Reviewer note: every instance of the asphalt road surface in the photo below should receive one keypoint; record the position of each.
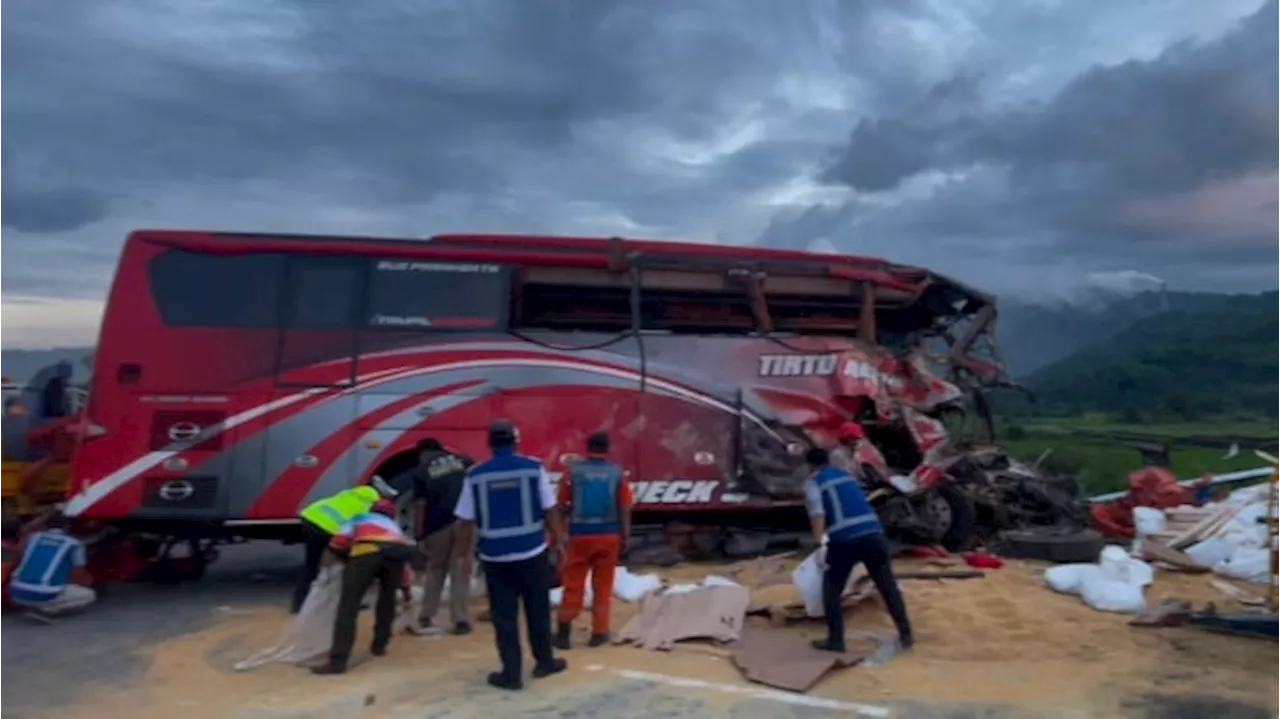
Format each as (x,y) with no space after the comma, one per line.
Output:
(47,666)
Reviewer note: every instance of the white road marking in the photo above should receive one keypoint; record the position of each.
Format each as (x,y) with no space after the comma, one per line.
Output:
(868,710)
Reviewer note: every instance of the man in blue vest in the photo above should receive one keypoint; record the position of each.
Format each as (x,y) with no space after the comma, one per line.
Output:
(508,501)
(848,532)
(50,578)
(597,499)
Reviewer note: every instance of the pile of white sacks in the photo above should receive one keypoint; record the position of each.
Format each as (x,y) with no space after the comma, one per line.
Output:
(1240,548)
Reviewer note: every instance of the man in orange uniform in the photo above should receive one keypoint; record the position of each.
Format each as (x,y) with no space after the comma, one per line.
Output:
(597,500)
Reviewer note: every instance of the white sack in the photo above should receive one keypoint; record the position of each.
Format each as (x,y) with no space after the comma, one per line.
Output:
(1114,584)
(1148,521)
(1069,578)
(1212,551)
(627,586)
(632,587)
(1250,563)
(1112,596)
(808,579)
(311,633)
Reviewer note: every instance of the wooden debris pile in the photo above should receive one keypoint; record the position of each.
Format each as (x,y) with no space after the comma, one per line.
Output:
(1170,547)
(1184,525)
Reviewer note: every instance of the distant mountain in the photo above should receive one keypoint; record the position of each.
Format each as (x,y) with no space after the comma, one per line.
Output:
(1032,336)
(21,365)
(1208,355)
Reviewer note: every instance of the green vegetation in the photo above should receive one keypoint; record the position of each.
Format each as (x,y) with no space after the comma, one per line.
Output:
(1102,461)
(1216,361)
(1195,379)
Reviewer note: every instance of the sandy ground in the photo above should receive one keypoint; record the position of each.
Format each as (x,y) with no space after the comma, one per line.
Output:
(1002,645)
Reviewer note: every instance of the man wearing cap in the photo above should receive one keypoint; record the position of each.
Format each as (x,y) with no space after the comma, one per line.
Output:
(437,484)
(375,549)
(597,500)
(321,520)
(506,503)
(849,533)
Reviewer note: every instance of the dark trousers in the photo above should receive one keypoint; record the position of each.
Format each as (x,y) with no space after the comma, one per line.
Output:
(359,574)
(527,581)
(314,542)
(842,556)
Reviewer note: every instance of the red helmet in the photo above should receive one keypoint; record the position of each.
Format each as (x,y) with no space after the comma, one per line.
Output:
(850,430)
(384,506)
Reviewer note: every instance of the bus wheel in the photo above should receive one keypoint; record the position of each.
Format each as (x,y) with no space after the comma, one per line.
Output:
(951,516)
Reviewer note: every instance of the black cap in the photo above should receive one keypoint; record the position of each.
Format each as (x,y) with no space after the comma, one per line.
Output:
(598,442)
(430,444)
(501,433)
(817,457)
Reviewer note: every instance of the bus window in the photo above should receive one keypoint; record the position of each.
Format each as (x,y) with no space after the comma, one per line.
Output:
(324,293)
(413,296)
(194,289)
(321,307)
(600,301)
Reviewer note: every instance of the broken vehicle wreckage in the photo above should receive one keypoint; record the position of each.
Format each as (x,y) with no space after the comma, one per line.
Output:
(928,487)
(934,474)
(712,367)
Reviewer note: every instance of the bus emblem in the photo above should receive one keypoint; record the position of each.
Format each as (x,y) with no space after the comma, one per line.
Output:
(184,431)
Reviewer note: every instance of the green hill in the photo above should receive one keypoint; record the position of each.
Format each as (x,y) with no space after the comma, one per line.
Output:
(1215,359)
(1035,335)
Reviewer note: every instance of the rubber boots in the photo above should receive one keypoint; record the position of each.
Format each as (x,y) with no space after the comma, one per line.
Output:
(561,640)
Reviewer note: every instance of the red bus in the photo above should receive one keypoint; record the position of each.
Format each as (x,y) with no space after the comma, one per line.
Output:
(239,376)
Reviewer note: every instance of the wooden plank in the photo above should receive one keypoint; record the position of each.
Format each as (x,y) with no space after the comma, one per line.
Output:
(1156,552)
(1203,527)
(1236,593)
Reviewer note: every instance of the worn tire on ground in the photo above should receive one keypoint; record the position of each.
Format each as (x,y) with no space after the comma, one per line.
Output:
(1063,546)
(964,519)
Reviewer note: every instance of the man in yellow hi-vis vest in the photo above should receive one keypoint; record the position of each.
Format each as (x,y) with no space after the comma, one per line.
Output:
(320,521)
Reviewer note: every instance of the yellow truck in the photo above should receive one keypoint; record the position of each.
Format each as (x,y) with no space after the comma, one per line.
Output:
(35,451)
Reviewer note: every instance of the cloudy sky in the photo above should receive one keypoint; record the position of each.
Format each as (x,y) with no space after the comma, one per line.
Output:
(1031,147)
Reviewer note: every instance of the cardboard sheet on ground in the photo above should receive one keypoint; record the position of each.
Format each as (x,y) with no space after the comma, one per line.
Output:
(787,661)
(715,612)
(787,602)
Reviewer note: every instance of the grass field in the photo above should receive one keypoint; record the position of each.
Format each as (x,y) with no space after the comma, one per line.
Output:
(1081,446)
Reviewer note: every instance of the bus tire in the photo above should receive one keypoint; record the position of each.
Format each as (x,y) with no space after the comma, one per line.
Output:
(1064,545)
(959,533)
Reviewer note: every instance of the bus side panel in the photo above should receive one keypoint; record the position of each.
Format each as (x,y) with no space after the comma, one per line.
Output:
(195,481)
(302,449)
(555,422)
(688,448)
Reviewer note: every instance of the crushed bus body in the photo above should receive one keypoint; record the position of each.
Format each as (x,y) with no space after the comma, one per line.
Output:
(238,377)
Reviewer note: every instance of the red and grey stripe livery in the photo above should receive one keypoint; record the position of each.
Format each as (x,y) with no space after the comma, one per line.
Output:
(286,451)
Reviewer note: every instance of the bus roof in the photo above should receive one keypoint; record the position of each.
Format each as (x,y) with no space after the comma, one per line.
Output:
(600,252)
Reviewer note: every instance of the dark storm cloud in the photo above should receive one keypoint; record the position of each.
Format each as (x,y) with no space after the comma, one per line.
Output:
(1079,166)
(707,120)
(331,116)
(418,97)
